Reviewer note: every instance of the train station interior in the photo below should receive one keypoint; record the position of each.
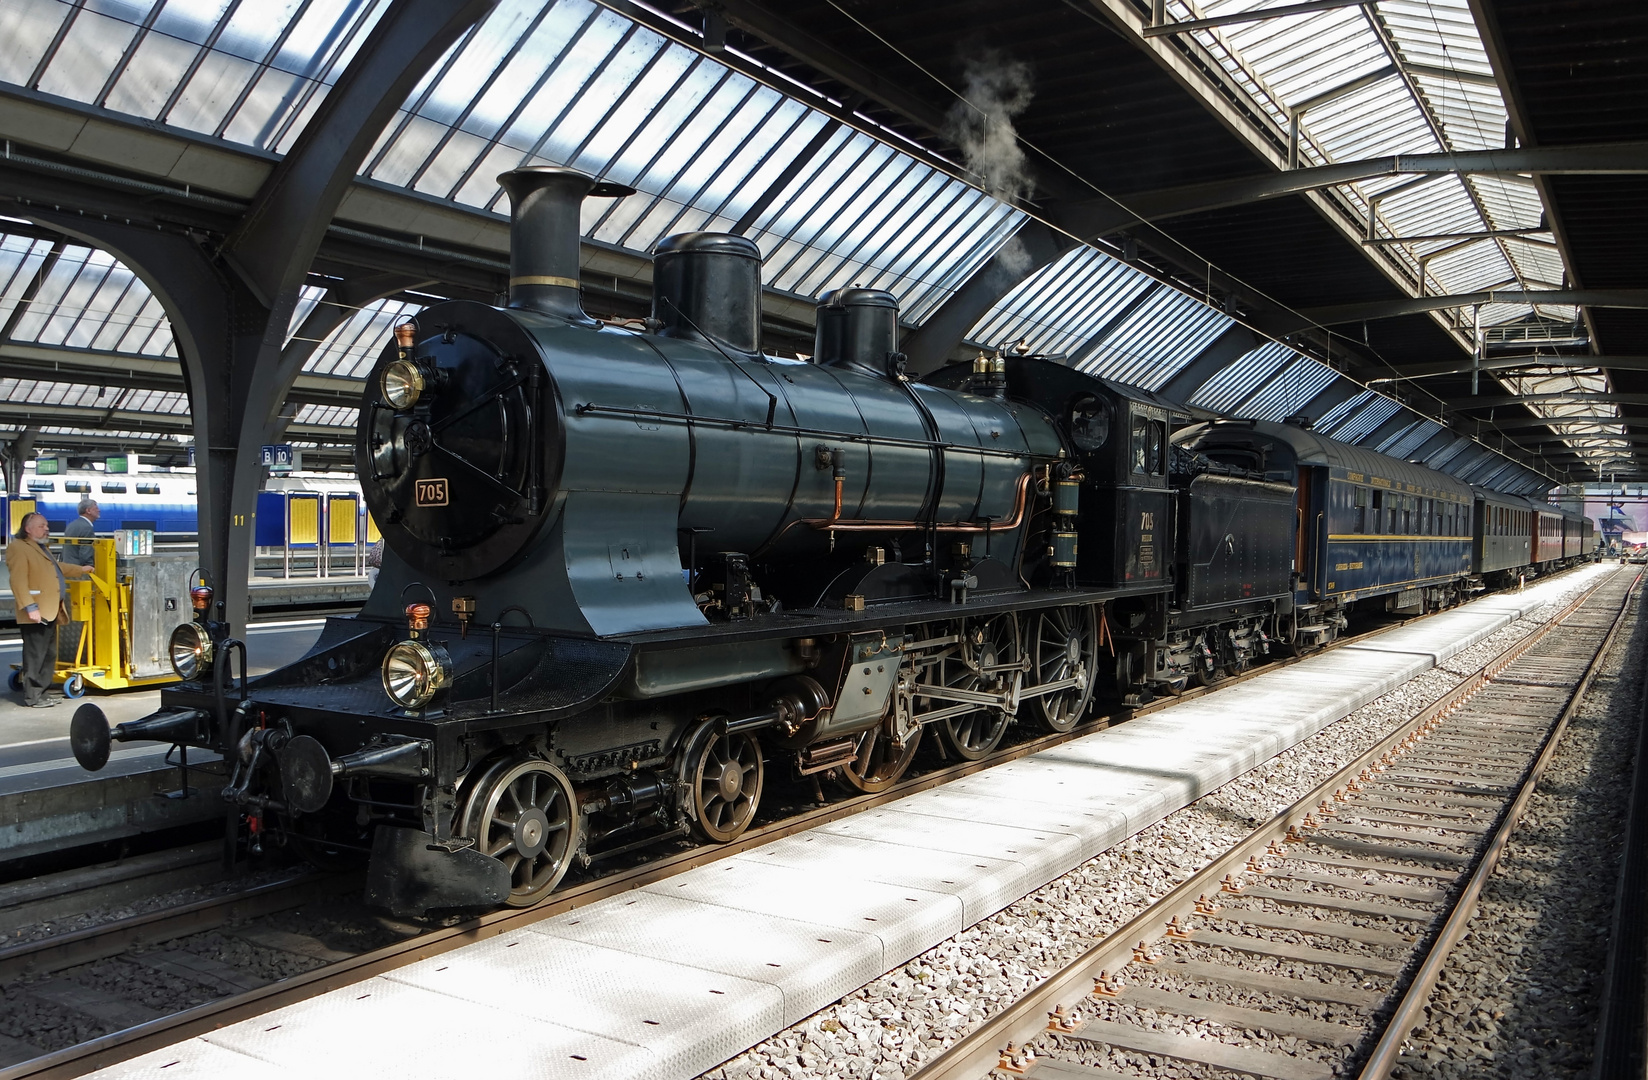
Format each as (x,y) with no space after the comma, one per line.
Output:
(1408,230)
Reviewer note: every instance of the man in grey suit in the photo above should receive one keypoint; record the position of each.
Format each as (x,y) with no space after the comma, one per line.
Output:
(81,528)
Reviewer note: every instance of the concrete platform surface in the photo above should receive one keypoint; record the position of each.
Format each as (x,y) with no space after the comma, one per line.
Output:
(42,735)
(674,978)
(48,802)
(268,594)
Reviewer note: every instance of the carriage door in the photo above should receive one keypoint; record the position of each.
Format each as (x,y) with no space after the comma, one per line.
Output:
(1301,529)
(1310,536)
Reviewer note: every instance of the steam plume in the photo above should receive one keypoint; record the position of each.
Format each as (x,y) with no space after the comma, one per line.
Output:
(997,89)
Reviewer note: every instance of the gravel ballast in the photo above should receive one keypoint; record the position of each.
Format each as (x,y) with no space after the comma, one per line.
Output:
(891,1026)
(1519,995)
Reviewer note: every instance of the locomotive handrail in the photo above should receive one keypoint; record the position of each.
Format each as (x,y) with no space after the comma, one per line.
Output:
(591,408)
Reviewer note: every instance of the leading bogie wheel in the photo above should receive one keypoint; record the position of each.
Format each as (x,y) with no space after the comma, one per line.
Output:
(524,813)
(983,662)
(1064,643)
(724,775)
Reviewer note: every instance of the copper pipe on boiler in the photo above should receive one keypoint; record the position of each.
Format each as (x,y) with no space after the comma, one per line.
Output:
(834,522)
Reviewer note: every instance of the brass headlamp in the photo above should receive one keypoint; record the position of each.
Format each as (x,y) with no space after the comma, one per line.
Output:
(406,378)
(190,650)
(417,671)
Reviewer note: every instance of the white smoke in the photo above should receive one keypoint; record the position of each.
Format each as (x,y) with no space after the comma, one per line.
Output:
(997,89)
(1014,257)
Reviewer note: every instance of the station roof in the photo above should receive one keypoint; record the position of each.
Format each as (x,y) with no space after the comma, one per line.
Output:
(912,147)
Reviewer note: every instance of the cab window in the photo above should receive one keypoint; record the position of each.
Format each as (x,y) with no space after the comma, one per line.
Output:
(1149,437)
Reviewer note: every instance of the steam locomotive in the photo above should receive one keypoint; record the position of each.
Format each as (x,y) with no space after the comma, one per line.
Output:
(631,568)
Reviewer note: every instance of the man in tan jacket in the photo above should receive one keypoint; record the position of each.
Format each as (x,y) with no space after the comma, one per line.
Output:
(40,595)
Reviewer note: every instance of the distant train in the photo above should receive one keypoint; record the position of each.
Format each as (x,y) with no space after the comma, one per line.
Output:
(165,503)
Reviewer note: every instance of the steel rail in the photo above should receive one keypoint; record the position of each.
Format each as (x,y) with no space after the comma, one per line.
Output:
(121,1045)
(976,1053)
(1387,1052)
(77,947)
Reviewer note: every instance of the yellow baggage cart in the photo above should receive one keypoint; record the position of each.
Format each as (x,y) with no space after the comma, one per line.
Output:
(120,618)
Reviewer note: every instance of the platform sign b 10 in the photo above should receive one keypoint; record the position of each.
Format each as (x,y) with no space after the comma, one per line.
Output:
(280,457)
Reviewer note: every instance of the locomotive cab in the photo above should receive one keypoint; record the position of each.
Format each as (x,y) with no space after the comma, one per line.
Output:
(1119,452)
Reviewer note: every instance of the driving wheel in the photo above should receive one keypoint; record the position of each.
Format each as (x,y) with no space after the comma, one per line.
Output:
(880,761)
(525,815)
(982,662)
(723,774)
(1063,642)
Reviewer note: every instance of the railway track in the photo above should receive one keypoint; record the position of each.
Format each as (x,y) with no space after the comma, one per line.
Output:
(1309,950)
(245,911)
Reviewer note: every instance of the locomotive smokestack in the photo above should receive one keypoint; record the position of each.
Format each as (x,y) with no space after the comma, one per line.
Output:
(544,210)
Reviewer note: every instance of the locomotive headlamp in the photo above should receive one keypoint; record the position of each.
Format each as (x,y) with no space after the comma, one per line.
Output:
(403,383)
(415,673)
(190,649)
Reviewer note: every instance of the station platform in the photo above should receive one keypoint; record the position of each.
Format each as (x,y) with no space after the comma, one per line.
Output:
(676,977)
(48,802)
(268,596)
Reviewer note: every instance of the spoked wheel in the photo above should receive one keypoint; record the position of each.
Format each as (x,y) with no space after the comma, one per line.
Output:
(984,662)
(1125,671)
(879,761)
(1063,643)
(723,774)
(525,815)
(1209,671)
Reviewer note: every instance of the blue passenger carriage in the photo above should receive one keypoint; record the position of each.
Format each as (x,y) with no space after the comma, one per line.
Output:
(1368,527)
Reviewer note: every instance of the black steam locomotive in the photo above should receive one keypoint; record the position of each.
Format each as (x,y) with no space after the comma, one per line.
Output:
(630,568)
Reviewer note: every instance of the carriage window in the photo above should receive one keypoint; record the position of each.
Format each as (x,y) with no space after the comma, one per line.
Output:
(114,489)
(1407,514)
(1359,501)
(42,485)
(1378,505)
(148,489)
(82,486)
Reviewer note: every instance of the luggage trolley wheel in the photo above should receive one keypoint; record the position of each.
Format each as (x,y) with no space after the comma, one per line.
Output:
(15,680)
(74,686)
